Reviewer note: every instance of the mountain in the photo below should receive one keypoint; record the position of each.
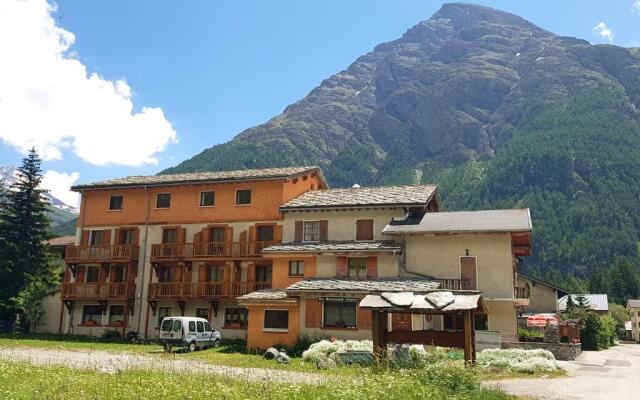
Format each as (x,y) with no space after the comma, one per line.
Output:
(497,111)
(62,215)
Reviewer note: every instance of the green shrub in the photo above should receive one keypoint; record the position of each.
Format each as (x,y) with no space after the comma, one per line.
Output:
(598,332)
(528,335)
(518,360)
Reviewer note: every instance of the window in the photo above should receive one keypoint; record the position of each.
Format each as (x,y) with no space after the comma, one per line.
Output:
(357,267)
(265,233)
(163,200)
(263,273)
(364,229)
(207,327)
(243,196)
(453,322)
(235,316)
(91,315)
(200,326)
(127,236)
(168,324)
(192,326)
(163,312)
(170,235)
(296,268)
(92,274)
(115,203)
(166,274)
(202,313)
(118,273)
(116,315)
(215,273)
(311,231)
(276,319)
(339,314)
(95,238)
(207,199)
(217,234)
(177,325)
(481,322)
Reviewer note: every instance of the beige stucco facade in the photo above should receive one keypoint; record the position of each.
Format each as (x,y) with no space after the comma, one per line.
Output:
(542,298)
(634,315)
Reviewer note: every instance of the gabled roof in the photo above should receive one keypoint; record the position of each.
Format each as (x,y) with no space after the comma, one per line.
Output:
(205,177)
(632,303)
(362,197)
(364,286)
(540,281)
(62,240)
(597,302)
(517,220)
(333,246)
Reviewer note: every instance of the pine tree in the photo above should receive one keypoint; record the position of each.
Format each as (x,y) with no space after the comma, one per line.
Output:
(24,228)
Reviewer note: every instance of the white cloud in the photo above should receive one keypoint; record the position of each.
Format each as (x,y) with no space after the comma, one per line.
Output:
(59,183)
(50,101)
(636,6)
(603,30)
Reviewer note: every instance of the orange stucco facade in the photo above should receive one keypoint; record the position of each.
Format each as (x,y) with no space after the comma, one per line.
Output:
(260,338)
(281,277)
(266,198)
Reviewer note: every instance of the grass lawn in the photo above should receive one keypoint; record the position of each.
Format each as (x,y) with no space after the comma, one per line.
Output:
(25,381)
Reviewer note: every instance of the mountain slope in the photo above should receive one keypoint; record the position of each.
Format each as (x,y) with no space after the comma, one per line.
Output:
(497,111)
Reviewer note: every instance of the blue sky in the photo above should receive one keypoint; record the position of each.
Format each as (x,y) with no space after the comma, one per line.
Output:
(215,68)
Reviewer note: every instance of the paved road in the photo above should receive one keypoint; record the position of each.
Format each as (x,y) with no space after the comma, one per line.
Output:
(609,374)
(108,362)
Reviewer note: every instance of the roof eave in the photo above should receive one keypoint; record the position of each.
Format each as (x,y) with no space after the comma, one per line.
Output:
(350,207)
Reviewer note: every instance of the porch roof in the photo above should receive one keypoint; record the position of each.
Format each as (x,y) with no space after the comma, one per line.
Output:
(265,294)
(333,246)
(433,302)
(363,286)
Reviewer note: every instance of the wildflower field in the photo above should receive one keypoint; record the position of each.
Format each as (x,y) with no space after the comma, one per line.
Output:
(25,381)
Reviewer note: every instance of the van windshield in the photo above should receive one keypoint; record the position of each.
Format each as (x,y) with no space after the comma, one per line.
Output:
(177,325)
(166,325)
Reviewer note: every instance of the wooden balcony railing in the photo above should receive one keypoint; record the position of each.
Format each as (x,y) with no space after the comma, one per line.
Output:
(520,292)
(103,291)
(115,252)
(200,290)
(207,250)
(454,284)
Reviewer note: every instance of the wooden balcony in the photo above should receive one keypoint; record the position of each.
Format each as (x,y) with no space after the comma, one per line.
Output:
(520,292)
(98,291)
(454,284)
(207,250)
(103,253)
(203,290)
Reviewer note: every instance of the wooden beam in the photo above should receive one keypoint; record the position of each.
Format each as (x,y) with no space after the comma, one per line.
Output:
(468,337)
(378,330)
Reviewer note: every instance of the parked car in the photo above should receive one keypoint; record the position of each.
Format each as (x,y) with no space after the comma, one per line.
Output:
(191,333)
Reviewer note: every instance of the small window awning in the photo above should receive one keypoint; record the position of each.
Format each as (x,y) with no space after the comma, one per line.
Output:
(433,302)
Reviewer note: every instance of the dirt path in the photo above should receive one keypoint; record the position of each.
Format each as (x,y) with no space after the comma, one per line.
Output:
(112,362)
(596,375)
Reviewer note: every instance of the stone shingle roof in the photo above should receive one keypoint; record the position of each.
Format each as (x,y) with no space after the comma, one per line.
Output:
(440,301)
(382,196)
(631,303)
(203,177)
(265,294)
(467,221)
(365,286)
(597,302)
(62,240)
(334,246)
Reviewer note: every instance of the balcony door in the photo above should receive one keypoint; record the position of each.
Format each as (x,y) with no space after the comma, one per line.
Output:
(217,234)
(469,271)
(263,277)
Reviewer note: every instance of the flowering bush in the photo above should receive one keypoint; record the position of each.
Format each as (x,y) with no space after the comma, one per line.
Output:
(518,360)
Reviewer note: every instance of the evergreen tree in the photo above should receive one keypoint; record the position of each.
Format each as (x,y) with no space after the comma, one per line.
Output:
(24,229)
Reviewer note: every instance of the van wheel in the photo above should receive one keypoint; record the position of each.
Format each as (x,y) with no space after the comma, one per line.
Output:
(167,348)
(216,343)
(193,347)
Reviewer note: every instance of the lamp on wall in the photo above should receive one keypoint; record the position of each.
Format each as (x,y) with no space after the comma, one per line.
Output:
(466,252)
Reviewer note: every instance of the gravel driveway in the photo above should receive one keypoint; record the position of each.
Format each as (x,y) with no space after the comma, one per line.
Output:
(112,362)
(596,375)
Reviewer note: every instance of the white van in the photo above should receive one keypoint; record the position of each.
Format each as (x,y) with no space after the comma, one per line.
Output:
(191,333)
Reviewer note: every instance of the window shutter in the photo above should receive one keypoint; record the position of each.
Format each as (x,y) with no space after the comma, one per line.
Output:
(252,233)
(364,229)
(277,233)
(372,267)
(136,236)
(226,273)
(85,238)
(364,318)
(251,272)
(80,271)
(188,274)
(313,313)
(106,237)
(197,237)
(324,230)
(119,239)
(299,231)
(181,235)
(178,277)
(202,273)
(243,236)
(204,234)
(341,266)
(104,271)
(228,234)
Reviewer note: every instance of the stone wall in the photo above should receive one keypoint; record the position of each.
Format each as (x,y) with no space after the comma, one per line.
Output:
(562,351)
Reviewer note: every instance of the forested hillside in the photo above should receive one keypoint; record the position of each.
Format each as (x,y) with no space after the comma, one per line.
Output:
(499,113)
